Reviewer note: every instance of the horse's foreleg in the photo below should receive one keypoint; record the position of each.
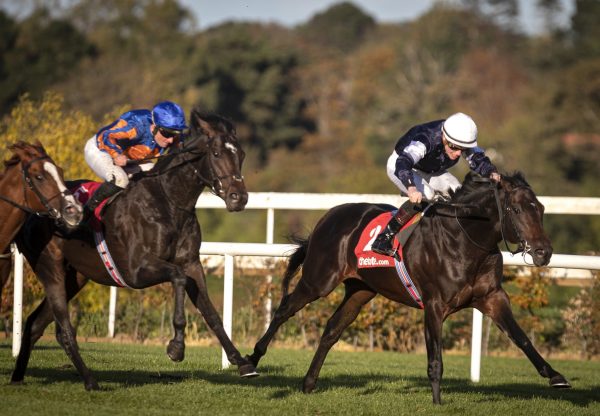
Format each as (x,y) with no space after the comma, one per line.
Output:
(357,294)
(298,299)
(497,306)
(433,340)
(176,347)
(198,293)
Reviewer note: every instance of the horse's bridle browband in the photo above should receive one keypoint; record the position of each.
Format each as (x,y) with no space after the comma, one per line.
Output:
(27,182)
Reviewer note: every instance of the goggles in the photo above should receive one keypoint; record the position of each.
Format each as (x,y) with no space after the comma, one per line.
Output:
(168,133)
(452,146)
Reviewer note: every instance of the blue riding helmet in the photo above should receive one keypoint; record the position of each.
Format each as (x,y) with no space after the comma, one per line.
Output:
(169,115)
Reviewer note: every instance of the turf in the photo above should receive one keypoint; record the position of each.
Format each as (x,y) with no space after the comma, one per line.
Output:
(138,379)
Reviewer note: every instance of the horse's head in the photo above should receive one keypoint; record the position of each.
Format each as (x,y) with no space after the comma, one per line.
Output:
(224,157)
(44,190)
(523,218)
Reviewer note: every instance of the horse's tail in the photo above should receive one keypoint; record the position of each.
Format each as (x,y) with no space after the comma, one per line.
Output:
(294,262)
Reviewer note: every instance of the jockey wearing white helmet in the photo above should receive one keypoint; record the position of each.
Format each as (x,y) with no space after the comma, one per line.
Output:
(418,167)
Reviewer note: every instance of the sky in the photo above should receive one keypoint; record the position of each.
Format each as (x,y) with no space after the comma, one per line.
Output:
(294,12)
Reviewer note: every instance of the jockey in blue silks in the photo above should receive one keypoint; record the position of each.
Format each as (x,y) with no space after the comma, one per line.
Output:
(135,135)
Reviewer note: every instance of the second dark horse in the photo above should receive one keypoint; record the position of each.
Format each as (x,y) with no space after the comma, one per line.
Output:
(454,262)
(154,237)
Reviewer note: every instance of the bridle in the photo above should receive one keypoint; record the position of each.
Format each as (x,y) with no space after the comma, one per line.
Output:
(215,182)
(503,213)
(28,183)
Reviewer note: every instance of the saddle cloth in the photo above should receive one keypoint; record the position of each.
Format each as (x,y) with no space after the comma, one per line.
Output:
(366,258)
(83,192)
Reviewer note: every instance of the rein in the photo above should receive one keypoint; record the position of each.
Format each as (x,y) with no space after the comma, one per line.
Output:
(215,184)
(27,182)
(523,246)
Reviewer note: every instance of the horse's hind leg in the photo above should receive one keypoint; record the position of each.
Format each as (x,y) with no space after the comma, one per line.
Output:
(301,296)
(357,295)
(497,306)
(34,328)
(35,325)
(5,268)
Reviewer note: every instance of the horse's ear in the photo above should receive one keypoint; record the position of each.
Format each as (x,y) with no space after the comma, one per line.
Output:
(200,125)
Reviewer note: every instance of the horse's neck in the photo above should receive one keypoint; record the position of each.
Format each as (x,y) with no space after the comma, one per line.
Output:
(181,186)
(485,232)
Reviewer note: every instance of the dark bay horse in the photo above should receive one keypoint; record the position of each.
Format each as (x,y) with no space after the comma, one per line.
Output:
(153,236)
(454,262)
(31,184)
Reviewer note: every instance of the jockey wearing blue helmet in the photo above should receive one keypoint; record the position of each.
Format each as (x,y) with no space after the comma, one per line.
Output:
(135,135)
(169,115)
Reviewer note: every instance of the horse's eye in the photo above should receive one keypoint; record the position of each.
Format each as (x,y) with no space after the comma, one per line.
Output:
(216,154)
(517,210)
(39,177)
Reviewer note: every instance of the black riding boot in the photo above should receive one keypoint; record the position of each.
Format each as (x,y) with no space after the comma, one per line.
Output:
(106,190)
(383,243)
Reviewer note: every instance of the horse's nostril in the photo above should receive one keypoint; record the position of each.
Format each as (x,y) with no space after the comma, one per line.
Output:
(234,196)
(540,252)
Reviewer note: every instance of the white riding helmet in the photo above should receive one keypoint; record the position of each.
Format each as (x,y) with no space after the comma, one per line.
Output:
(460,129)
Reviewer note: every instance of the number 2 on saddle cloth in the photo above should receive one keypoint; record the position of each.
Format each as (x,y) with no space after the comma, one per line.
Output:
(366,258)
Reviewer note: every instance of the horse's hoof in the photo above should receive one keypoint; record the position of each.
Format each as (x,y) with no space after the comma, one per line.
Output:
(252,359)
(92,385)
(559,382)
(17,382)
(308,386)
(176,351)
(248,371)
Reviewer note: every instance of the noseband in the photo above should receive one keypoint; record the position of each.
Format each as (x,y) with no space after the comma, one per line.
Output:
(28,183)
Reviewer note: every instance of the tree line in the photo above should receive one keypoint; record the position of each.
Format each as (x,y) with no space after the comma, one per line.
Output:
(314,102)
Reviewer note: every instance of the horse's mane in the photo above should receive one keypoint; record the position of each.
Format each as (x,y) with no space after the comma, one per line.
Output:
(216,121)
(34,150)
(471,187)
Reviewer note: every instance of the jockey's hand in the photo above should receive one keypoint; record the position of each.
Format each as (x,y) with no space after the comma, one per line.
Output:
(120,160)
(495,176)
(414,196)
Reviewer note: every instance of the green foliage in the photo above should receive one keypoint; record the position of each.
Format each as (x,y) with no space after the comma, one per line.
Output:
(244,75)
(585,29)
(582,321)
(343,27)
(36,53)
(62,132)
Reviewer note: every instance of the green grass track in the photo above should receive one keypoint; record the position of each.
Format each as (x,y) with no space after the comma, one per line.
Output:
(141,380)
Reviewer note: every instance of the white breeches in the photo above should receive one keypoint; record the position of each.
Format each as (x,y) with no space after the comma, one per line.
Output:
(102,164)
(427,183)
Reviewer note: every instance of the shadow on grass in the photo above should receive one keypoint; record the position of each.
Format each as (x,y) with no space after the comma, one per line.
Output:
(285,386)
